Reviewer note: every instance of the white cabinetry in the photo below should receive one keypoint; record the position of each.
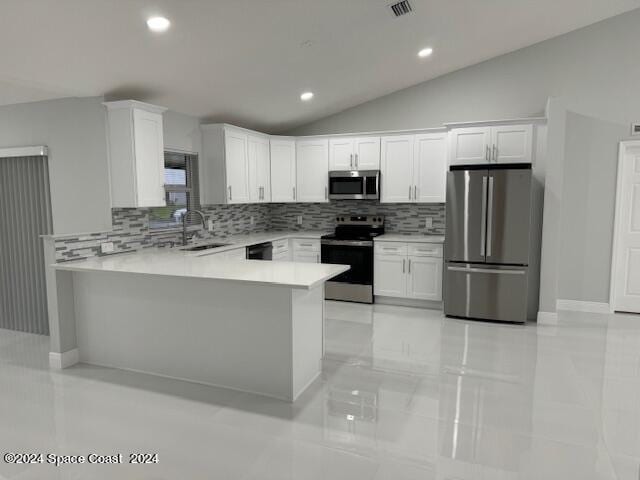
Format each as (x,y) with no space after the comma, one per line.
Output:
(306,250)
(414,168)
(235,254)
(259,169)
(283,169)
(491,144)
(281,250)
(396,168)
(408,270)
(354,153)
(136,154)
(236,166)
(312,170)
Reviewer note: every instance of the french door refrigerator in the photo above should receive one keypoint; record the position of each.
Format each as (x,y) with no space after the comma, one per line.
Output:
(488,242)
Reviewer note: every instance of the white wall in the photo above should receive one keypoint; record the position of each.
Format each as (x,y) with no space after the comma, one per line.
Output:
(595,70)
(74,131)
(588,205)
(182,132)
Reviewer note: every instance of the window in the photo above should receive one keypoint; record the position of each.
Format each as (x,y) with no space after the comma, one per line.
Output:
(181,191)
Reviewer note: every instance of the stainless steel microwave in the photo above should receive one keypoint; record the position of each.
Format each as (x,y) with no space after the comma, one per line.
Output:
(354,184)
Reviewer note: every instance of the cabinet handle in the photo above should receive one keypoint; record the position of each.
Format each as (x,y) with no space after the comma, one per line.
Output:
(409,192)
(356,160)
(409,266)
(495,153)
(294,193)
(230,196)
(487,154)
(326,194)
(415,192)
(351,160)
(403,265)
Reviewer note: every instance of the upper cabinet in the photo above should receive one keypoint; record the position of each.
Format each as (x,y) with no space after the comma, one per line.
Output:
(259,169)
(414,168)
(312,170)
(491,144)
(283,169)
(136,154)
(354,153)
(430,167)
(236,166)
(396,172)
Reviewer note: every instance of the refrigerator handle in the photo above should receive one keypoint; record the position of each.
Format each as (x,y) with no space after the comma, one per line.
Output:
(483,216)
(490,217)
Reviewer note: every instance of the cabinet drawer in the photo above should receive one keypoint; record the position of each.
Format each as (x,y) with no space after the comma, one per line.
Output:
(425,250)
(390,248)
(306,245)
(280,245)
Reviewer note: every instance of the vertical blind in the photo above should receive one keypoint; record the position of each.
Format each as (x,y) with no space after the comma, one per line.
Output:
(25,214)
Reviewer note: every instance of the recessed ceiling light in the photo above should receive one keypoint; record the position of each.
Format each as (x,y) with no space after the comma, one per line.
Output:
(425,52)
(158,24)
(306,96)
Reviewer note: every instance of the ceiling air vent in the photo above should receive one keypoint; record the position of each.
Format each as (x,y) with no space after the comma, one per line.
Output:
(401,8)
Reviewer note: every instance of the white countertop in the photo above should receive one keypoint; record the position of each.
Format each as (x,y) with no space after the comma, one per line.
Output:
(398,237)
(175,263)
(240,241)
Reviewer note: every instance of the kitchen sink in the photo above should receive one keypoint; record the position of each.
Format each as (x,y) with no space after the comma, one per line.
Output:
(208,246)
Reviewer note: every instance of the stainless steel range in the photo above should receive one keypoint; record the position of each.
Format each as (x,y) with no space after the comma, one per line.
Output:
(352,244)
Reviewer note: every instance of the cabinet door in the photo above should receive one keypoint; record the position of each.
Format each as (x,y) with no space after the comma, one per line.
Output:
(389,275)
(430,168)
(312,170)
(235,147)
(424,278)
(282,256)
(236,254)
(396,169)
(306,257)
(512,144)
(283,170)
(341,155)
(367,153)
(149,158)
(470,146)
(258,168)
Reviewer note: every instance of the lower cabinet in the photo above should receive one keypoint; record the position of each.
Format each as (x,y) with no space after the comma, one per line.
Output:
(408,270)
(306,250)
(281,250)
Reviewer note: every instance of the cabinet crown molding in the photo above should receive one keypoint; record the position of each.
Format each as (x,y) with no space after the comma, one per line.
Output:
(134,104)
(489,123)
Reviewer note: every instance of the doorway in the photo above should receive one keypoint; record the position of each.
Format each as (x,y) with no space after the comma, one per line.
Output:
(625,264)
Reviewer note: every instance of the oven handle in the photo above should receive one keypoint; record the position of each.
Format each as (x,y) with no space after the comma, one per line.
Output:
(349,243)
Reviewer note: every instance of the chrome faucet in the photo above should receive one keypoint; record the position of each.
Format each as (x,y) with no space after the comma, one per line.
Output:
(185,217)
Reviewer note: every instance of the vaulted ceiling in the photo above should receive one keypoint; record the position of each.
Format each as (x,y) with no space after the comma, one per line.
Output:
(247,61)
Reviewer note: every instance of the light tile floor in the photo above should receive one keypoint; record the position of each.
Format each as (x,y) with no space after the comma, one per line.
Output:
(405,394)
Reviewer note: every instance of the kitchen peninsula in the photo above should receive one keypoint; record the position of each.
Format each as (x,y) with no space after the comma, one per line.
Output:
(249,325)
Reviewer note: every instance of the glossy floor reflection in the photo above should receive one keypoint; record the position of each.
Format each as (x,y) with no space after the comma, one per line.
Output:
(405,394)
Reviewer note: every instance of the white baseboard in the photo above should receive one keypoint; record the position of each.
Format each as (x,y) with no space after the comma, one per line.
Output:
(408,302)
(581,306)
(547,318)
(62,360)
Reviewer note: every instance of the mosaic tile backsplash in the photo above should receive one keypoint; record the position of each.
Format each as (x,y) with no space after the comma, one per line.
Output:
(131,226)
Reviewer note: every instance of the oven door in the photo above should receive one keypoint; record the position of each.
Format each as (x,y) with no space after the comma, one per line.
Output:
(356,284)
(358,255)
(346,185)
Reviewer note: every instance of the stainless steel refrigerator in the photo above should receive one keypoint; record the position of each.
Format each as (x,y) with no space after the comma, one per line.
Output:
(490,245)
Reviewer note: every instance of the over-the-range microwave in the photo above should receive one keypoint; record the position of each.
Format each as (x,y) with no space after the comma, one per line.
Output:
(354,184)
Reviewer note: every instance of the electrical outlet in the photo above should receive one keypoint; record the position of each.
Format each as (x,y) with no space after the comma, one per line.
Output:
(428,222)
(299,220)
(210,225)
(106,247)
